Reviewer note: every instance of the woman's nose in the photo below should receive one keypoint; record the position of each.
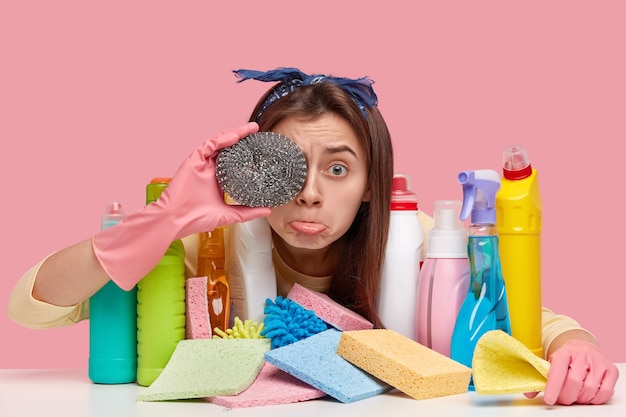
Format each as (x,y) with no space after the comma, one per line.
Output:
(310,195)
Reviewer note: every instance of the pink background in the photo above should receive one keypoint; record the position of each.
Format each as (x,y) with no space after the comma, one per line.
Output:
(96,99)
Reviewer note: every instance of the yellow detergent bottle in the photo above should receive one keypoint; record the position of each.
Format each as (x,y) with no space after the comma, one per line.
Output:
(518,207)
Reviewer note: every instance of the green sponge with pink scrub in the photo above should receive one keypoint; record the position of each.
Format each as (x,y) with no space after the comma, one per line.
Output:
(202,368)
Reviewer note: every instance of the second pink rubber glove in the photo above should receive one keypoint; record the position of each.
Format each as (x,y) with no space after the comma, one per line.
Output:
(191,203)
(580,373)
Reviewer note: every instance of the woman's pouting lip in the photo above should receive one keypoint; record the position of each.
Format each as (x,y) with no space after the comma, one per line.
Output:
(307,228)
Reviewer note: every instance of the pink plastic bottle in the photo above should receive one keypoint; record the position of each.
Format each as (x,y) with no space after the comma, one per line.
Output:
(444,278)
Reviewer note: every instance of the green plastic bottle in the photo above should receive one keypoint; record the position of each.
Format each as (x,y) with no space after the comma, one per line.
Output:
(160,305)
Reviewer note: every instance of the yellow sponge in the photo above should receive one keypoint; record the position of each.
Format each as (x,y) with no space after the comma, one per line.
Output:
(503,365)
(404,364)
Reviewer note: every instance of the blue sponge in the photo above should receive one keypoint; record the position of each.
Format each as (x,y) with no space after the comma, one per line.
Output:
(314,360)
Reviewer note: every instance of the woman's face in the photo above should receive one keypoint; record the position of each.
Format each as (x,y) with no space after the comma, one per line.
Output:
(335,186)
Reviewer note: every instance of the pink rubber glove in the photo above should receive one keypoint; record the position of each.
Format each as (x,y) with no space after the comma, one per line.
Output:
(192,203)
(579,373)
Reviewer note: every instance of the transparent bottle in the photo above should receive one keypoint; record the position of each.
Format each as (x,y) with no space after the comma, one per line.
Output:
(485,306)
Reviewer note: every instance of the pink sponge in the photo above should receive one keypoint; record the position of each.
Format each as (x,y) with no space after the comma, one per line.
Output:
(328,309)
(272,386)
(198,325)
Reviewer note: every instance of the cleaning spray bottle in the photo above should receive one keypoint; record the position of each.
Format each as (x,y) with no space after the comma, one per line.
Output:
(485,307)
(113,324)
(397,301)
(444,278)
(518,207)
(160,305)
(250,269)
(211,264)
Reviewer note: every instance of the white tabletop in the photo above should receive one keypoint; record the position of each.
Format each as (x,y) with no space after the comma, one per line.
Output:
(69,393)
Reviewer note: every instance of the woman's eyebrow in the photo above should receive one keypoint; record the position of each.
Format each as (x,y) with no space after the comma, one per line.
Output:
(341,148)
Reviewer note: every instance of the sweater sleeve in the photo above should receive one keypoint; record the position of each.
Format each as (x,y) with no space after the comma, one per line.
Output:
(24,309)
(554,325)
(27,311)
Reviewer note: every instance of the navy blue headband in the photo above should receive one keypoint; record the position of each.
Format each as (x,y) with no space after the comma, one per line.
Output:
(291,79)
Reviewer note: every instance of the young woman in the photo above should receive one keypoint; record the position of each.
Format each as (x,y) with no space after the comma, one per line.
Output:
(330,238)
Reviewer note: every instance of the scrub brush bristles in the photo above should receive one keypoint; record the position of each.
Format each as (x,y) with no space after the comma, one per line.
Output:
(264,169)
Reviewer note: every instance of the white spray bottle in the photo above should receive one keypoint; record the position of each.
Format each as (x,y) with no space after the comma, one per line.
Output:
(249,269)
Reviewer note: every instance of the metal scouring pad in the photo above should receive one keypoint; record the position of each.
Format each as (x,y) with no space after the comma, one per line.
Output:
(264,169)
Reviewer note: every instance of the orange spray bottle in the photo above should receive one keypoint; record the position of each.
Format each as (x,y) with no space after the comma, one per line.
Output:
(211,264)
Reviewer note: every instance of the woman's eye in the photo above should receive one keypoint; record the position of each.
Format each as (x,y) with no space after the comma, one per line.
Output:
(338,170)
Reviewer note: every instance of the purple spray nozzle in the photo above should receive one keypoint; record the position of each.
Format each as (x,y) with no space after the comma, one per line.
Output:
(479,195)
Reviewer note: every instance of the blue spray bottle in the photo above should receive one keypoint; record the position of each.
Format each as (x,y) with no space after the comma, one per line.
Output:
(485,307)
(113,325)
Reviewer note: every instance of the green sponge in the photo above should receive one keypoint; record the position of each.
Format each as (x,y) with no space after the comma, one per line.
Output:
(206,367)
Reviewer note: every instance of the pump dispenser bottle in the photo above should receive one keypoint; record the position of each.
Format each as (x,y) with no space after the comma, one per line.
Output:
(444,278)
(518,206)
(160,305)
(485,307)
(403,255)
(113,324)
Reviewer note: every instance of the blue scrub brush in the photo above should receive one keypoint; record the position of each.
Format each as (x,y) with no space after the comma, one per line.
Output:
(287,322)
(264,169)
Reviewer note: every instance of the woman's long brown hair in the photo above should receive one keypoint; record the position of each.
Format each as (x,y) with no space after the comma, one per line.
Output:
(356,280)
